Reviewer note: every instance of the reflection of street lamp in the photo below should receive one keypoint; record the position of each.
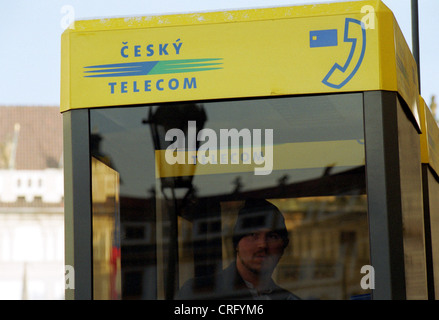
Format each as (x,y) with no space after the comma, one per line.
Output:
(161,119)
(166,117)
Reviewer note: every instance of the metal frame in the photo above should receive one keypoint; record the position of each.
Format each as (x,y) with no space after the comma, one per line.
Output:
(77,202)
(431,207)
(427,175)
(382,180)
(394,189)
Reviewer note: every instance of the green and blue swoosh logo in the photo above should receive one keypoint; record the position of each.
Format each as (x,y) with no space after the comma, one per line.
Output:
(152,67)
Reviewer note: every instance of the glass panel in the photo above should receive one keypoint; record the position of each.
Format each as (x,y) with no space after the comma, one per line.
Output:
(106,235)
(199,183)
(119,139)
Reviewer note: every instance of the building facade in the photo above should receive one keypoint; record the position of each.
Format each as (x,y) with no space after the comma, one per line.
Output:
(31,204)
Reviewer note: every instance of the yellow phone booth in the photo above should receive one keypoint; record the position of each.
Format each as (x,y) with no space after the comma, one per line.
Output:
(175,125)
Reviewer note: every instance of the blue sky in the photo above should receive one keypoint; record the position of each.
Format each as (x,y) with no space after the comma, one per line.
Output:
(31,30)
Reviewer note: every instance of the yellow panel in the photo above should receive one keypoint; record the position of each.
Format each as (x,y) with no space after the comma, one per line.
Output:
(65,72)
(407,74)
(429,137)
(339,47)
(424,136)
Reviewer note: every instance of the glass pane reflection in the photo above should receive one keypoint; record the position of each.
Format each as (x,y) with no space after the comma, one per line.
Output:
(106,232)
(178,223)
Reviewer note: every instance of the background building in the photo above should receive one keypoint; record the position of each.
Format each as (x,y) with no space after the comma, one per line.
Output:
(31,203)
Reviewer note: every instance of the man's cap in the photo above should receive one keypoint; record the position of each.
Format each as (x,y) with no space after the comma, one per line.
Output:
(259,214)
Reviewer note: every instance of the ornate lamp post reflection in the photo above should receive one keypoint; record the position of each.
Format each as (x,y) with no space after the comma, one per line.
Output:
(161,119)
(166,117)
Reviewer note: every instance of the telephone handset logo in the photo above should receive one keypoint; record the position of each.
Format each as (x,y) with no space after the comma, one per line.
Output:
(355,34)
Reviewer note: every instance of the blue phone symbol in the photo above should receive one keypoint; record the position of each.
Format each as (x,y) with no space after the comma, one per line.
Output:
(328,38)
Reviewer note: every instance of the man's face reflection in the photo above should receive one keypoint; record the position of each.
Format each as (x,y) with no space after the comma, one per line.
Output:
(260,251)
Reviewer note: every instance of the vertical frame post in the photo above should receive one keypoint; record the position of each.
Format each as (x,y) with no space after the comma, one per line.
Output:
(77,203)
(383,194)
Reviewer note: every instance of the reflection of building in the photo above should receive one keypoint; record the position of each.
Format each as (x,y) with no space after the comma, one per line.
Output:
(31,203)
(106,221)
(329,243)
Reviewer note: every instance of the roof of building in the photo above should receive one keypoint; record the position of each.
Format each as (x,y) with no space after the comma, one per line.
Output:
(30,137)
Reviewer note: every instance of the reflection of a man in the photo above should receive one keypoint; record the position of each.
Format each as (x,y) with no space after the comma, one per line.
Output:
(259,239)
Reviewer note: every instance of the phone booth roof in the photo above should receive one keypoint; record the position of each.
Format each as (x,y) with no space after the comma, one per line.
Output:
(311,49)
